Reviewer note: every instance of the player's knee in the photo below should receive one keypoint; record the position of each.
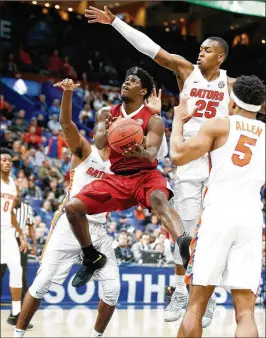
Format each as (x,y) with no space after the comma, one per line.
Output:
(111,292)
(244,314)
(40,287)
(158,200)
(74,208)
(15,276)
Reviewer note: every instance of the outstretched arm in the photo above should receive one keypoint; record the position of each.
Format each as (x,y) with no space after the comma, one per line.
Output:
(101,127)
(78,144)
(142,42)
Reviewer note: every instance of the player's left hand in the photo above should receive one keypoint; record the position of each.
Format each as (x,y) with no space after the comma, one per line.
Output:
(154,102)
(181,113)
(23,244)
(67,84)
(136,151)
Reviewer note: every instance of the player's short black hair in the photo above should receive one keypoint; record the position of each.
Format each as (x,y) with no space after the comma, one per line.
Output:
(6,151)
(222,43)
(250,89)
(146,79)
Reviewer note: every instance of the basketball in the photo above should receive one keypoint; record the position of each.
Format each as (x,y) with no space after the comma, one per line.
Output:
(123,134)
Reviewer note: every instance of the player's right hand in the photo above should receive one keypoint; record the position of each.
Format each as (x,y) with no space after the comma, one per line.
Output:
(67,84)
(96,15)
(110,120)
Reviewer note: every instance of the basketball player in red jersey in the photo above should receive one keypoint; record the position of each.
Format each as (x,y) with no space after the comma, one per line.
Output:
(135,179)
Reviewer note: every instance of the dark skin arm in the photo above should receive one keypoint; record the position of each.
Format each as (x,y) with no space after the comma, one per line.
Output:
(103,120)
(78,144)
(153,140)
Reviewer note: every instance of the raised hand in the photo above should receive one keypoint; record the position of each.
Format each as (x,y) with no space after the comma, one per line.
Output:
(109,121)
(67,84)
(181,111)
(154,102)
(96,15)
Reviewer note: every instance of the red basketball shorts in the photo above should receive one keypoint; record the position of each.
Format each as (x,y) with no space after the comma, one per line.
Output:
(117,192)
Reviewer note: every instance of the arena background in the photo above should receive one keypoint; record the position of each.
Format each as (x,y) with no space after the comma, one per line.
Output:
(45,41)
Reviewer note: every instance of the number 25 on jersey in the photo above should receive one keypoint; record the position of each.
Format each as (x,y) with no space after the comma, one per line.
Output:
(243,147)
(208,109)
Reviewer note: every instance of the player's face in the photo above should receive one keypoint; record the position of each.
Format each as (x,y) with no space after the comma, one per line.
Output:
(6,163)
(210,56)
(132,88)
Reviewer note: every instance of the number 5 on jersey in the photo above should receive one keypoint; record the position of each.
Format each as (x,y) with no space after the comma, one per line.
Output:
(243,148)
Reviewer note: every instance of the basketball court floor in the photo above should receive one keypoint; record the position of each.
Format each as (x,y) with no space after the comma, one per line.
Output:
(54,321)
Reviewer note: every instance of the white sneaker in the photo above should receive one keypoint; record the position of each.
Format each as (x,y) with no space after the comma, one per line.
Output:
(208,315)
(174,309)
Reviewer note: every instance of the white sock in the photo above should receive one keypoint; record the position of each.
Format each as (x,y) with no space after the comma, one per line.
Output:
(18,333)
(180,285)
(96,334)
(16,307)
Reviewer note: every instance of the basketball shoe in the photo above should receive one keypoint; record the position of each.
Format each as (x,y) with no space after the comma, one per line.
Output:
(12,320)
(174,309)
(208,315)
(87,270)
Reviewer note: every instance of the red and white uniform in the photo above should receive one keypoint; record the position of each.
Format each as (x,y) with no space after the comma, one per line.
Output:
(212,98)
(227,249)
(133,179)
(9,247)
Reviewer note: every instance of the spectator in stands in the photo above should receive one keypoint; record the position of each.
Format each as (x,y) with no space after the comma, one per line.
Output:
(112,230)
(32,138)
(165,247)
(40,239)
(123,252)
(66,67)
(42,102)
(142,244)
(33,122)
(153,225)
(53,124)
(19,126)
(54,63)
(46,213)
(12,67)
(5,107)
(123,223)
(86,113)
(8,139)
(168,118)
(140,216)
(41,121)
(20,86)
(33,190)
(55,107)
(55,147)
(22,181)
(98,102)
(44,171)
(66,160)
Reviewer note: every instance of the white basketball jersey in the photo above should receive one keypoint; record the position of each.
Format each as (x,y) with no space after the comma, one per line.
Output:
(212,98)
(8,195)
(238,167)
(86,172)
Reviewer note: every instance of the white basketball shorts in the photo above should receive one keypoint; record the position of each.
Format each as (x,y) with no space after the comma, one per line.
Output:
(62,251)
(227,248)
(190,182)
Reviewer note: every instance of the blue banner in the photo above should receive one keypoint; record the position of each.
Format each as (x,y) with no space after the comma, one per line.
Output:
(140,285)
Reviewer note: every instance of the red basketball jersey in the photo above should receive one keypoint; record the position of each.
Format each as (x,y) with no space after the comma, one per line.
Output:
(120,162)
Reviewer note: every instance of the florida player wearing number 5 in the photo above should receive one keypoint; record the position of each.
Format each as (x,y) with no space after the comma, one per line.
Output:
(227,249)
(135,181)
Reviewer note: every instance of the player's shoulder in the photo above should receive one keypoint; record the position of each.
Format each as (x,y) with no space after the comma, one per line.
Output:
(217,125)
(230,82)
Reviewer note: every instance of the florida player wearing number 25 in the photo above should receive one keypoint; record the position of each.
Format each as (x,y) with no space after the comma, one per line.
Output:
(227,249)
(135,179)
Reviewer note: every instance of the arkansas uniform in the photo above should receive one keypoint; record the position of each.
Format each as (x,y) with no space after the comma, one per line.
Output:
(62,250)
(232,212)
(133,180)
(10,254)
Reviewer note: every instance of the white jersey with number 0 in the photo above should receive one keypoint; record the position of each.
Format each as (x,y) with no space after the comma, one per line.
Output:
(238,167)
(212,99)
(8,195)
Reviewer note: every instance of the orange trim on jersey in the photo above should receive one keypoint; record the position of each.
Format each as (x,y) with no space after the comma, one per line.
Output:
(193,245)
(60,211)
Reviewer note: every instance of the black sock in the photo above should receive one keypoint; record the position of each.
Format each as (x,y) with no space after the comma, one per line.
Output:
(183,243)
(91,253)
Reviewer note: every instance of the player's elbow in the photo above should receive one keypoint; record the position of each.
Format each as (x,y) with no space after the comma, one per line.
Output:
(177,159)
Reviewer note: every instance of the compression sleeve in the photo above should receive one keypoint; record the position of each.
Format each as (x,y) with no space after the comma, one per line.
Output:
(139,40)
